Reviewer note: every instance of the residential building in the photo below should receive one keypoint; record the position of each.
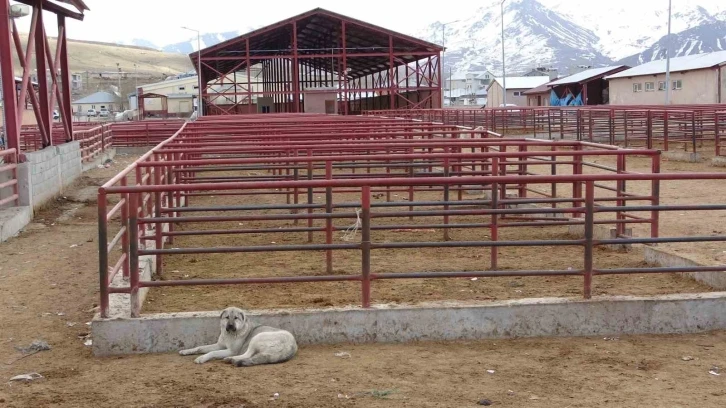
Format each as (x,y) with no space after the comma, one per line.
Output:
(471,82)
(516,87)
(584,88)
(539,96)
(97,101)
(172,97)
(695,79)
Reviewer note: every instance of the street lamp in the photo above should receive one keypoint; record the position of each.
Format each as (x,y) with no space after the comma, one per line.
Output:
(199,70)
(443,60)
(504,68)
(668,58)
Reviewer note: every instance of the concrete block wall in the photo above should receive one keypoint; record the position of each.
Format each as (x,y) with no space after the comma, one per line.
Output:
(46,173)
(71,167)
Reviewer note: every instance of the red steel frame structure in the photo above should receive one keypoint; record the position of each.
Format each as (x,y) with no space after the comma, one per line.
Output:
(53,89)
(364,66)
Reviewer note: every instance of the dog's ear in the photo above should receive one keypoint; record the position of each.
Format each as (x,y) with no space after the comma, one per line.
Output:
(221,315)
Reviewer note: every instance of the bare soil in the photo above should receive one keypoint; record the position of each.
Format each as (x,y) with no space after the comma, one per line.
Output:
(49,288)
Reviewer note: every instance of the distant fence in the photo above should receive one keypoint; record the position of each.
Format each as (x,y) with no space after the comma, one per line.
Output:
(687,127)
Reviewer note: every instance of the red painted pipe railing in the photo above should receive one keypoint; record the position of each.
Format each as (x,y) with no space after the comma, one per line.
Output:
(677,127)
(8,178)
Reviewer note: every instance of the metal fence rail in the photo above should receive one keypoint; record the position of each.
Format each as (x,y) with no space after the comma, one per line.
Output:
(8,178)
(688,127)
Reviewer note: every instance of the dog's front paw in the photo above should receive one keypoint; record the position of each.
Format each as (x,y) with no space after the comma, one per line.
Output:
(229,360)
(200,360)
(186,352)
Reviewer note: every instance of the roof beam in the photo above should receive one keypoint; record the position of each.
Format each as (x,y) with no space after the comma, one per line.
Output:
(54,8)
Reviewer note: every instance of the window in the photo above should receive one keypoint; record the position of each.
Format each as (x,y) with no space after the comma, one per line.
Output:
(649,86)
(638,87)
(661,86)
(196,86)
(181,88)
(677,85)
(517,93)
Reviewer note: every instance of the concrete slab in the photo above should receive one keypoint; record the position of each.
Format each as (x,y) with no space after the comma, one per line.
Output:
(718,161)
(108,154)
(682,156)
(13,220)
(600,232)
(692,313)
(666,258)
(132,151)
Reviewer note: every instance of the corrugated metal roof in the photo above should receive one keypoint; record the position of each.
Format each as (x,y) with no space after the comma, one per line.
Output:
(98,97)
(523,82)
(585,75)
(688,63)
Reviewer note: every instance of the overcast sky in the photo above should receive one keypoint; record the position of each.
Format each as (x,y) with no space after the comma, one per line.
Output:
(160,20)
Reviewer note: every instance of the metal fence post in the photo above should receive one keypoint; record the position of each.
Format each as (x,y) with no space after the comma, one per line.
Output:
(494,228)
(655,201)
(446,197)
(134,255)
(589,236)
(329,220)
(103,253)
(366,246)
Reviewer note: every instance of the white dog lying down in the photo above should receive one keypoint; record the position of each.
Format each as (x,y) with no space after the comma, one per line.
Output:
(243,343)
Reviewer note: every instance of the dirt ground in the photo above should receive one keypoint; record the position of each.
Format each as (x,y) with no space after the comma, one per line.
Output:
(49,290)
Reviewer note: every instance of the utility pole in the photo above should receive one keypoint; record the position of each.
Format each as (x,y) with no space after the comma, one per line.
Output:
(504,69)
(200,112)
(443,60)
(668,57)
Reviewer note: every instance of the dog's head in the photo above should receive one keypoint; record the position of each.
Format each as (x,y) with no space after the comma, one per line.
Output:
(232,320)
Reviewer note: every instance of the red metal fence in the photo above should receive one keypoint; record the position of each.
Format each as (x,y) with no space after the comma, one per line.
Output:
(8,177)
(688,127)
(124,134)
(409,175)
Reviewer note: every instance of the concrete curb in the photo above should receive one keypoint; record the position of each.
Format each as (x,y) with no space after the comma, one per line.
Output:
(662,257)
(12,221)
(603,316)
(682,156)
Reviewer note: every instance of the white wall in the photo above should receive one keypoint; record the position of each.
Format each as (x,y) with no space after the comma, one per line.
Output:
(699,87)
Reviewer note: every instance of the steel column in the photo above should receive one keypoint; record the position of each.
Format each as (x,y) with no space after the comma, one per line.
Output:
(7,74)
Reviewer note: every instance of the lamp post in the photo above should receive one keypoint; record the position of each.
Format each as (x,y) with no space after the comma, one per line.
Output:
(199,70)
(443,60)
(668,58)
(504,68)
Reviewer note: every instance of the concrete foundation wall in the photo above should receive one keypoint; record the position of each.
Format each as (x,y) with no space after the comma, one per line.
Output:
(47,172)
(433,322)
(662,257)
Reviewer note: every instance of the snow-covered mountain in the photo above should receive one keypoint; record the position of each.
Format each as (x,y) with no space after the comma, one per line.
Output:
(709,37)
(565,33)
(534,36)
(207,40)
